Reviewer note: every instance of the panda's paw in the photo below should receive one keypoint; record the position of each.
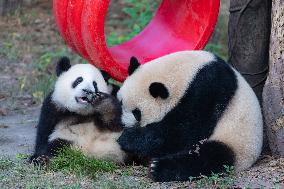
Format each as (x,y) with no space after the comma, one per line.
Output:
(41,160)
(98,98)
(125,142)
(162,170)
(128,141)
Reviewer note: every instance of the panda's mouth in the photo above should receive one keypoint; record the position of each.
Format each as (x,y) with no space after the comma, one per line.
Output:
(88,99)
(83,100)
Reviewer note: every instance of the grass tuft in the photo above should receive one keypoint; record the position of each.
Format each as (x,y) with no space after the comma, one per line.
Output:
(216,180)
(139,14)
(74,161)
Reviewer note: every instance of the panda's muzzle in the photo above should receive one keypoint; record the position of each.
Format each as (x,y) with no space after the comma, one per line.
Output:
(87,97)
(97,97)
(91,96)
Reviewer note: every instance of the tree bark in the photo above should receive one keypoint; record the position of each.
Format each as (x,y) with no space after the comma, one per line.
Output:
(249,31)
(273,93)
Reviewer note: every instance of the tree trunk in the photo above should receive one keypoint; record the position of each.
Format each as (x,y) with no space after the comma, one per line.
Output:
(249,33)
(273,93)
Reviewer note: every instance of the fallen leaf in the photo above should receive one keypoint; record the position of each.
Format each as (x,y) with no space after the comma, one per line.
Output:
(3,111)
(4,126)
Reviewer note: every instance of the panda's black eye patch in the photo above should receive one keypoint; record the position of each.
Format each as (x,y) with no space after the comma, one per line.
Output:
(137,114)
(77,82)
(95,86)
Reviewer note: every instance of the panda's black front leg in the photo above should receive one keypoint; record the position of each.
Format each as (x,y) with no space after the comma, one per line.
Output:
(51,150)
(142,141)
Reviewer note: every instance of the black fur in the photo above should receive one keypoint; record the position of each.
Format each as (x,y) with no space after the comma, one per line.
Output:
(134,64)
(157,89)
(51,151)
(191,121)
(108,113)
(54,146)
(210,158)
(115,88)
(105,75)
(77,82)
(50,116)
(137,114)
(63,65)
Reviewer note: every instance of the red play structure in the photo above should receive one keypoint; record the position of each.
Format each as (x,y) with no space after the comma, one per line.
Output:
(178,25)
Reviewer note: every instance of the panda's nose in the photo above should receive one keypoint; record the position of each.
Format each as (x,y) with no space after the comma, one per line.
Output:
(88,92)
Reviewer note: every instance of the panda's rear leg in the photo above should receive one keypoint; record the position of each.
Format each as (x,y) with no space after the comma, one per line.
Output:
(211,157)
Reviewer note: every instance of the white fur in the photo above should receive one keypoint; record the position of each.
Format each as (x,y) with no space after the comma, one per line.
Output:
(241,125)
(177,70)
(64,95)
(92,141)
(84,136)
(128,119)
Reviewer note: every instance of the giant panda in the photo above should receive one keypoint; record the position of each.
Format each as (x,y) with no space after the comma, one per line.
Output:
(81,113)
(191,113)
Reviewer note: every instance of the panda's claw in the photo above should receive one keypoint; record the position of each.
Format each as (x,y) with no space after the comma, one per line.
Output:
(98,94)
(97,97)
(152,165)
(162,170)
(41,160)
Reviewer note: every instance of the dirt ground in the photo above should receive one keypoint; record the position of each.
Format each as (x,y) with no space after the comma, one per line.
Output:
(17,135)
(19,106)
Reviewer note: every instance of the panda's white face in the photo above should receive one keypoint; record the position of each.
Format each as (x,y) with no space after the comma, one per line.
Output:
(169,81)
(73,87)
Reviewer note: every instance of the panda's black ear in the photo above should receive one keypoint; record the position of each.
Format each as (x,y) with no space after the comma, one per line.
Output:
(106,75)
(134,64)
(157,89)
(115,88)
(62,65)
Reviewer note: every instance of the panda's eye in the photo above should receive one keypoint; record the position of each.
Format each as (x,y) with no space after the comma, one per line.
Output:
(77,82)
(137,114)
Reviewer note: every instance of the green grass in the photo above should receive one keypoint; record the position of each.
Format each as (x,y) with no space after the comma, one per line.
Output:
(139,13)
(44,53)
(8,51)
(18,174)
(216,180)
(74,161)
(71,170)
(218,43)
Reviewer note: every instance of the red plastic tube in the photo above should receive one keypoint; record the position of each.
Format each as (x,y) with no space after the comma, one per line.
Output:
(178,25)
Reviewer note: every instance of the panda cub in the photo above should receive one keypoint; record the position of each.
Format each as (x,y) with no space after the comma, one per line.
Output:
(192,113)
(79,112)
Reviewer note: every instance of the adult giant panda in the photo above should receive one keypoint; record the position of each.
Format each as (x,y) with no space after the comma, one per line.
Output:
(79,112)
(192,113)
